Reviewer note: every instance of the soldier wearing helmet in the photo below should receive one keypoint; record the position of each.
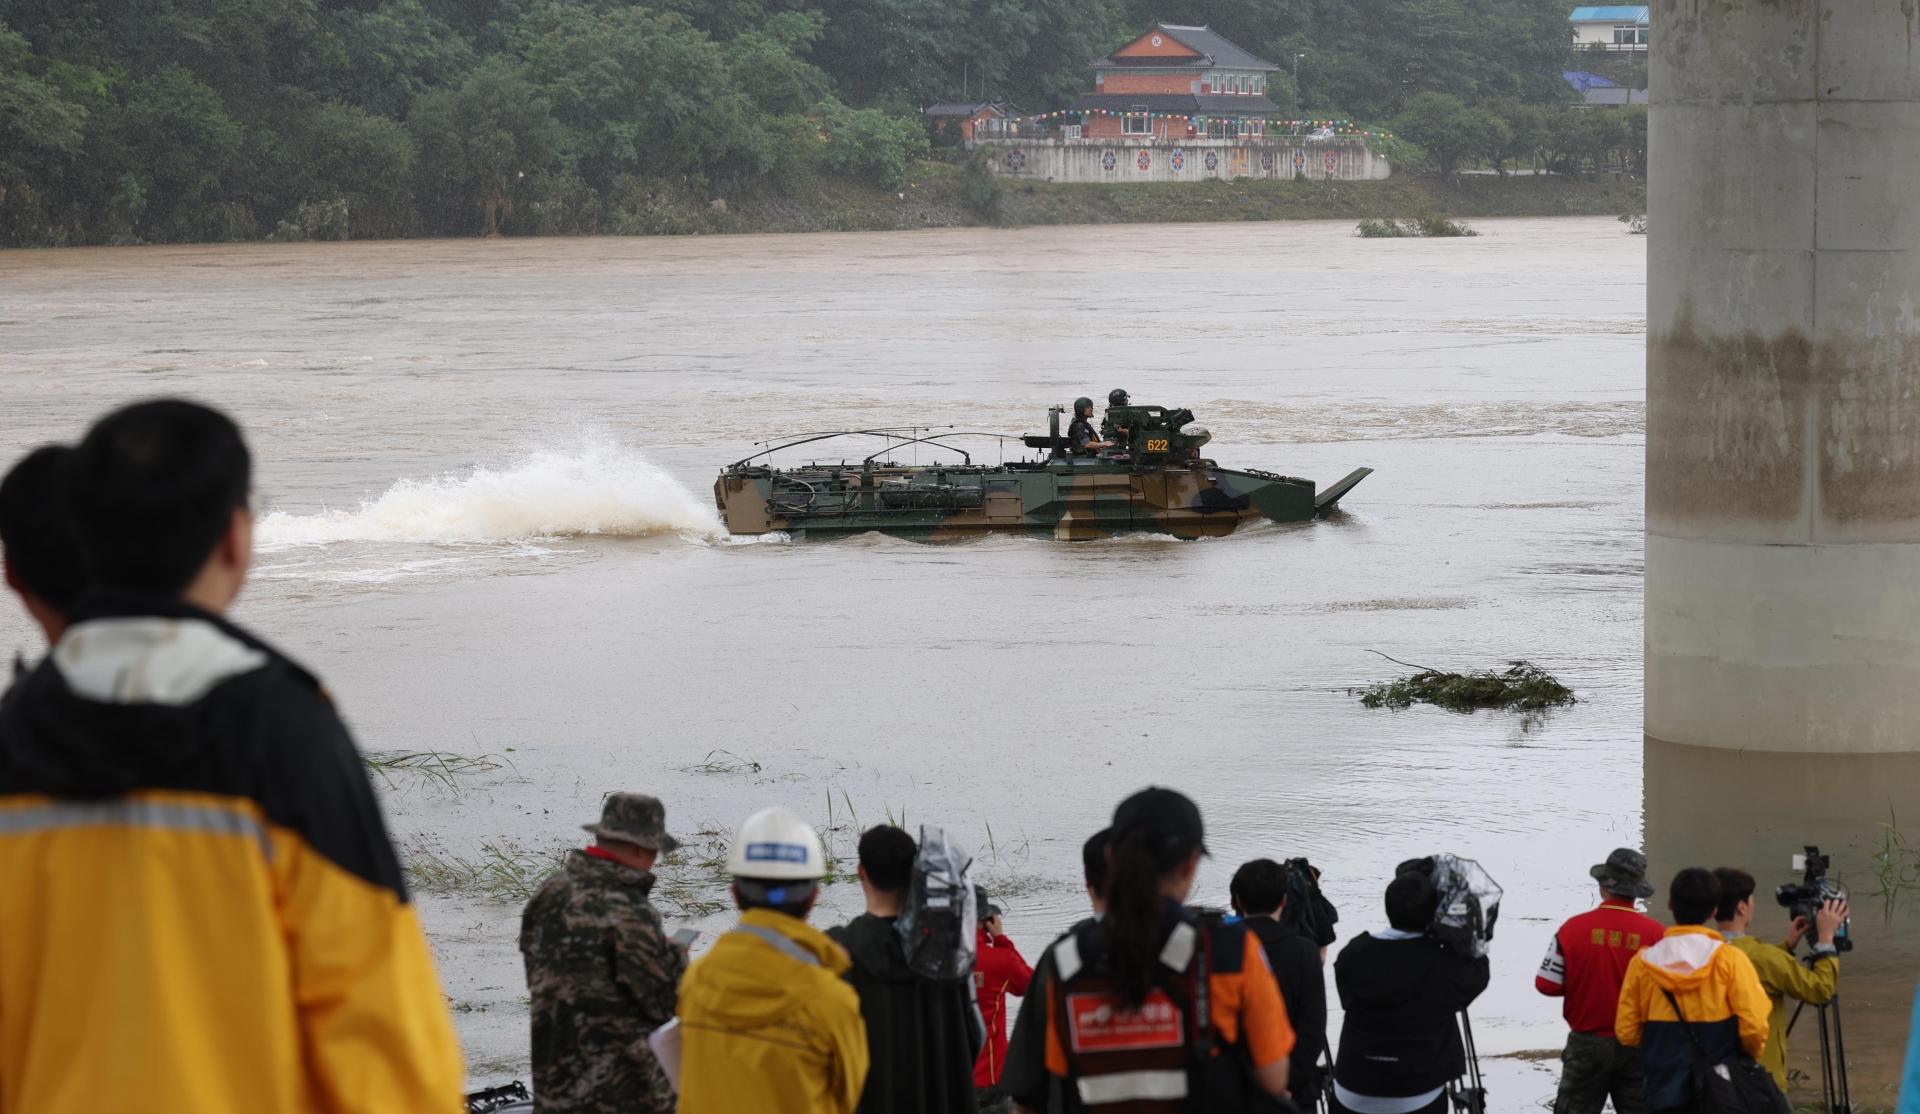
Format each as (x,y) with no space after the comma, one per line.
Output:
(767,1023)
(1110,429)
(1080,434)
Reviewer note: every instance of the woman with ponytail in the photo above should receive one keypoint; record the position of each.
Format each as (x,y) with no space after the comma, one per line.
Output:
(1152,1008)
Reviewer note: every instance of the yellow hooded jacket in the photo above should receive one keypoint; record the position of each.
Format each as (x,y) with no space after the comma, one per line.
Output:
(200,912)
(1783,976)
(1718,992)
(768,1025)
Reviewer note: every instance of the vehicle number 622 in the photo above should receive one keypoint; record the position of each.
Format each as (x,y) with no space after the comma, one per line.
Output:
(1157,446)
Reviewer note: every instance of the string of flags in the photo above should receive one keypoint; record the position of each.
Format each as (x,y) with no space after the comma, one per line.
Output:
(1339,127)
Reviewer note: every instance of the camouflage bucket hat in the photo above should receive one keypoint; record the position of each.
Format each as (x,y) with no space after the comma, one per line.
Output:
(1624,873)
(635,818)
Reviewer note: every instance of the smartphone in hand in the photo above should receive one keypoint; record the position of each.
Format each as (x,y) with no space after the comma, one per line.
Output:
(685,937)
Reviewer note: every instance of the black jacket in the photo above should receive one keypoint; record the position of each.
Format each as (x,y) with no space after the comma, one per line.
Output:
(923,1034)
(1078,434)
(1303,984)
(1400,1036)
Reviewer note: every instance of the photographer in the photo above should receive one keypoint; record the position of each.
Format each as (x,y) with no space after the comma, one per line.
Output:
(1259,893)
(1400,1045)
(1782,975)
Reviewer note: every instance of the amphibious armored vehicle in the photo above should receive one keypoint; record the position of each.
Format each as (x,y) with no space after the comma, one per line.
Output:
(1153,481)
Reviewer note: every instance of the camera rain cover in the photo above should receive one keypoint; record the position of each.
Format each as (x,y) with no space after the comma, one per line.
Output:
(936,926)
(1469,903)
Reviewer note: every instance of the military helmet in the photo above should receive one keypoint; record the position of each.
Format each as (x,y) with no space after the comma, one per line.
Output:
(1080,404)
(1117,397)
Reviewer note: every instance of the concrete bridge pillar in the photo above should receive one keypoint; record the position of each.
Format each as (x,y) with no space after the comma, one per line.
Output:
(1783,375)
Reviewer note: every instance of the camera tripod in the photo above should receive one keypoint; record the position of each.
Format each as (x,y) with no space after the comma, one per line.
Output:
(1833,1056)
(1468,1095)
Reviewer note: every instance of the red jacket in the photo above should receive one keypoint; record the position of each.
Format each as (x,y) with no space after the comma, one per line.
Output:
(997,972)
(1587,961)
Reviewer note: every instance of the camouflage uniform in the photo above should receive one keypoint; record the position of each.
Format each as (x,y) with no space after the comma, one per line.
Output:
(602,976)
(1594,1068)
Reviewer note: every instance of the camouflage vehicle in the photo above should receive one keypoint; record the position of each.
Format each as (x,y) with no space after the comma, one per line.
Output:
(1157,482)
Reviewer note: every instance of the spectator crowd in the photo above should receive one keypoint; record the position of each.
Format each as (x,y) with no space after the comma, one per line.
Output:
(203,910)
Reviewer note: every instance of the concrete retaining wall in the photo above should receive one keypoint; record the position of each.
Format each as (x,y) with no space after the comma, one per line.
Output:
(1183,160)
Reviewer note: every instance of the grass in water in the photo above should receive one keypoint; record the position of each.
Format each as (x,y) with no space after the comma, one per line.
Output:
(1426,222)
(436,767)
(1897,864)
(723,762)
(1523,685)
(503,870)
(692,880)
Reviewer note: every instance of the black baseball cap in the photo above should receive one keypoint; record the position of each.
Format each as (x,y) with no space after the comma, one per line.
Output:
(1169,818)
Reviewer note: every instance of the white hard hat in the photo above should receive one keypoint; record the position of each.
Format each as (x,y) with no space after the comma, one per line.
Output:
(774,843)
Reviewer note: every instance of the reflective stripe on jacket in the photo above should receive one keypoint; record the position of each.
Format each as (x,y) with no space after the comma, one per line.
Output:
(767,1024)
(201,911)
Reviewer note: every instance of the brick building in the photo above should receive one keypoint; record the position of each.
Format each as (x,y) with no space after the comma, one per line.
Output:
(970,117)
(1174,82)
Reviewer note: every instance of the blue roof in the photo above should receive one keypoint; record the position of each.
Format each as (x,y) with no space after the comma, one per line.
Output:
(1583,81)
(1618,14)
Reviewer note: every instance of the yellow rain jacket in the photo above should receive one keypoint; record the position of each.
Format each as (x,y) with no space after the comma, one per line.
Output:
(1782,976)
(767,1024)
(200,912)
(1719,994)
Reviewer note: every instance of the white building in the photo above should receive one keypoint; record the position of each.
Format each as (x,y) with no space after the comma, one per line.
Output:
(1613,28)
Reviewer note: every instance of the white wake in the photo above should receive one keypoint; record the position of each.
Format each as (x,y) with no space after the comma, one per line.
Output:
(600,489)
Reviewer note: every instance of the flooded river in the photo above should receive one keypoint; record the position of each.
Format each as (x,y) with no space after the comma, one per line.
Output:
(485,473)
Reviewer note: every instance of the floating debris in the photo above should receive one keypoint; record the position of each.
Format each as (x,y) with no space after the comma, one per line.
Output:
(1524,686)
(1424,223)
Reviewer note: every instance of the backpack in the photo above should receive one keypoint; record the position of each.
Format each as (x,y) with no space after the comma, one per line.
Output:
(936,924)
(1739,1087)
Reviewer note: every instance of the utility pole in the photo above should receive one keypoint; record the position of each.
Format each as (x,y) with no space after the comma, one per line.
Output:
(1296,81)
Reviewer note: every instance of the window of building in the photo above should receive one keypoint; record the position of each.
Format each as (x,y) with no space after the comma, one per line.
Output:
(1625,35)
(1136,125)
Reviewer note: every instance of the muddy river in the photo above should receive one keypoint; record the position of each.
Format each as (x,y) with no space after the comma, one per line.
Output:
(484,471)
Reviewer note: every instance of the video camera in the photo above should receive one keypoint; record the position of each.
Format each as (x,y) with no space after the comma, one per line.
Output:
(1806,897)
(1469,901)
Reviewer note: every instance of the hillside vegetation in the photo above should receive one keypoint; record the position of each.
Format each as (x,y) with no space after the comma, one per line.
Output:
(132,121)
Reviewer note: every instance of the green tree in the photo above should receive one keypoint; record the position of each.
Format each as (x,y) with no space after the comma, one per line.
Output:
(1446,129)
(1523,128)
(766,65)
(39,125)
(154,166)
(476,144)
(381,59)
(640,92)
(327,153)
(1577,136)
(868,142)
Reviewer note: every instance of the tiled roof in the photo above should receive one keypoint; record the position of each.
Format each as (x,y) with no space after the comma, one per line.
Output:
(1184,104)
(1617,14)
(970,108)
(1212,47)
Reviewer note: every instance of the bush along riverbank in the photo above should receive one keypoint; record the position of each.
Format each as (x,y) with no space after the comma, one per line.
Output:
(934,194)
(946,195)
